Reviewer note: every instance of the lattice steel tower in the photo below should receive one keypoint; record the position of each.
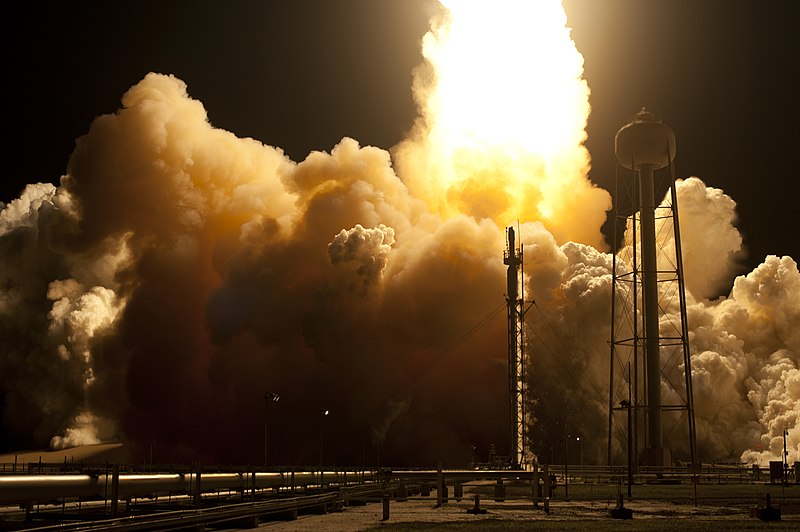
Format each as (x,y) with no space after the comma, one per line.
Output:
(516,351)
(649,335)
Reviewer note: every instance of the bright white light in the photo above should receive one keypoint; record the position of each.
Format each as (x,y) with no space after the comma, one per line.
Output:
(508,77)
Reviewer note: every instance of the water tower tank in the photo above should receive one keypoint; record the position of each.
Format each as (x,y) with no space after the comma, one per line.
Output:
(645,140)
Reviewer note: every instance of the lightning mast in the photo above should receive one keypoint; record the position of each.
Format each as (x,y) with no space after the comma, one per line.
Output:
(516,351)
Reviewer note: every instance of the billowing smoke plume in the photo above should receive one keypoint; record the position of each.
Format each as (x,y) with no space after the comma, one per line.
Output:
(179,272)
(746,365)
(745,351)
(55,308)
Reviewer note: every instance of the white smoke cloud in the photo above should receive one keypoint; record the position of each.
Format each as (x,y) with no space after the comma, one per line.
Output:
(747,363)
(84,429)
(50,318)
(710,242)
(276,265)
(363,251)
(744,346)
(24,211)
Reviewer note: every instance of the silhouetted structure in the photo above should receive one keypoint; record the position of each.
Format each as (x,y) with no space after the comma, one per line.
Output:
(516,352)
(647,277)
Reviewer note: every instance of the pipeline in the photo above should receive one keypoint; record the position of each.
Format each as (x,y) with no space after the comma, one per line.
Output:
(21,489)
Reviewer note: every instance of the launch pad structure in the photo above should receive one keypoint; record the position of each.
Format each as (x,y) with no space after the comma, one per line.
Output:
(649,339)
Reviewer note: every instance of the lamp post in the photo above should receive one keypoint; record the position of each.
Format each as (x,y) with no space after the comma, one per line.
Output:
(580,450)
(269,397)
(627,404)
(785,457)
(322,415)
(566,469)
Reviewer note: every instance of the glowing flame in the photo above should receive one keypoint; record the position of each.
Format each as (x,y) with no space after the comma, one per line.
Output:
(504,111)
(508,77)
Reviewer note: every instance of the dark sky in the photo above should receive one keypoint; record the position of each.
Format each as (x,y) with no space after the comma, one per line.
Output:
(301,74)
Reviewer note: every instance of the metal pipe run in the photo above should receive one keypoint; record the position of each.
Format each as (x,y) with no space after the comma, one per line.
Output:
(19,489)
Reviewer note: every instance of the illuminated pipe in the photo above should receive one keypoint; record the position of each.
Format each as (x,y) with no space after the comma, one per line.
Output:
(27,488)
(20,489)
(17,489)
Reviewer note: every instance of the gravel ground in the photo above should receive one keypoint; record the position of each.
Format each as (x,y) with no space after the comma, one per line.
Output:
(422,514)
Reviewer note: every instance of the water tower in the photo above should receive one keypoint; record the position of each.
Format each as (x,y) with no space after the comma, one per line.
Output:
(648,275)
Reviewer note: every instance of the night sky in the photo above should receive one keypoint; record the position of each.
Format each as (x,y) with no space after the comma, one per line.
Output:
(302,74)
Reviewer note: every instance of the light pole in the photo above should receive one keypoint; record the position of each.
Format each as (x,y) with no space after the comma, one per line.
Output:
(785,457)
(322,415)
(580,450)
(269,397)
(566,469)
(627,404)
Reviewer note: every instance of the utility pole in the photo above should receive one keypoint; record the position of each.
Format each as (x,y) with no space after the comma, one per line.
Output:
(627,405)
(269,397)
(322,415)
(566,469)
(785,457)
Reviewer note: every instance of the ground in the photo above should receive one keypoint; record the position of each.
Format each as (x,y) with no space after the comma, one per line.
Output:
(589,509)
